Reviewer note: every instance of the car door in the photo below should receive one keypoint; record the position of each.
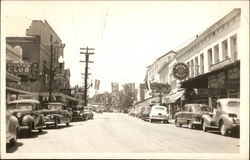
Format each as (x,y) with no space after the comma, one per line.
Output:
(189,114)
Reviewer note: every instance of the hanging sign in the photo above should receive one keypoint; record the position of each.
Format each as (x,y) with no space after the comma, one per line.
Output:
(180,71)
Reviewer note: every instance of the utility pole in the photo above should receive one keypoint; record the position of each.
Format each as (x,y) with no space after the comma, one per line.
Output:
(87,53)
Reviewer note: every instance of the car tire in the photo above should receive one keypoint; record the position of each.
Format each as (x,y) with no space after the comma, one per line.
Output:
(56,123)
(41,129)
(29,131)
(68,122)
(204,127)
(223,130)
(177,124)
(13,140)
(190,125)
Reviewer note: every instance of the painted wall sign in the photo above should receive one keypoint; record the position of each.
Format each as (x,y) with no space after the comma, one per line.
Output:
(180,71)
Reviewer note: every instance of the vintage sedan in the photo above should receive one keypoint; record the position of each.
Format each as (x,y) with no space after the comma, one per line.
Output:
(56,113)
(77,113)
(12,128)
(191,115)
(158,113)
(225,117)
(88,112)
(145,113)
(29,115)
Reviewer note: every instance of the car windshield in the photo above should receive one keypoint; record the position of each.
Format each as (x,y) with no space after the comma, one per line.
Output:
(198,108)
(21,106)
(206,108)
(54,107)
(233,104)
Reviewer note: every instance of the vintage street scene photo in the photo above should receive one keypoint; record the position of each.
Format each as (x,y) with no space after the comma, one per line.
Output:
(125,79)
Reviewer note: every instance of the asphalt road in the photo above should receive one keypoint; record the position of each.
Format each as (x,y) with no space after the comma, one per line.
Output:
(120,133)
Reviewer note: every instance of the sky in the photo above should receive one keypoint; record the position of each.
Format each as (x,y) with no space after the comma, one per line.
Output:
(127,36)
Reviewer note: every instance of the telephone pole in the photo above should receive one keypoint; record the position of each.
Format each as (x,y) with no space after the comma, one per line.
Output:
(87,53)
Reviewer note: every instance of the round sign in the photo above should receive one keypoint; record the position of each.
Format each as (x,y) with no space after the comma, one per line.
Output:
(180,71)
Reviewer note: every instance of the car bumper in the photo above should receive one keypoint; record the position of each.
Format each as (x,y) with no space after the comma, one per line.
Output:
(23,128)
(159,118)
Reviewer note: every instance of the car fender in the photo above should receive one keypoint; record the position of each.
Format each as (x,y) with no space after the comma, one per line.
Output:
(57,116)
(226,120)
(27,120)
(207,119)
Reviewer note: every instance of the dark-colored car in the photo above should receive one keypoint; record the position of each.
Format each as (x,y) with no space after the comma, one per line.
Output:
(225,117)
(145,113)
(191,115)
(29,114)
(77,113)
(56,113)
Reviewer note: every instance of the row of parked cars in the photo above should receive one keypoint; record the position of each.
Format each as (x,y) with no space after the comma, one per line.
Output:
(224,116)
(23,116)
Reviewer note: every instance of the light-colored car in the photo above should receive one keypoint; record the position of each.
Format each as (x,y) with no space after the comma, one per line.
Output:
(88,112)
(12,128)
(57,113)
(158,113)
(191,115)
(29,114)
(225,117)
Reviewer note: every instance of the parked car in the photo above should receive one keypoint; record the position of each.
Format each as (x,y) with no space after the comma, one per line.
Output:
(77,113)
(145,113)
(191,115)
(158,113)
(12,128)
(56,113)
(225,117)
(29,114)
(88,112)
(99,110)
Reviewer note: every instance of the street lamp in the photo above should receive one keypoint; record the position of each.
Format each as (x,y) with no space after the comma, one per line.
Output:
(52,72)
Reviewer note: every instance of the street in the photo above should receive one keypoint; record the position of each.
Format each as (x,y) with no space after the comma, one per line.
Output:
(121,133)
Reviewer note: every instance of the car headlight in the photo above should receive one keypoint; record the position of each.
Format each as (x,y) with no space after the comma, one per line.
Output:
(19,115)
(52,116)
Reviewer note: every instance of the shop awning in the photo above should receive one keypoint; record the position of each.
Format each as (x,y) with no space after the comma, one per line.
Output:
(175,96)
(14,90)
(201,81)
(12,78)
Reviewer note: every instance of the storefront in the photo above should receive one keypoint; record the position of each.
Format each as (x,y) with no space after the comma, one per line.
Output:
(223,82)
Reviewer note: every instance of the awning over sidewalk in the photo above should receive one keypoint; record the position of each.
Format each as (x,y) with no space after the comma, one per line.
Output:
(172,98)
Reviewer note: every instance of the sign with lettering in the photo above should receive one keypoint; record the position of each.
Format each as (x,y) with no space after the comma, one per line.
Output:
(180,71)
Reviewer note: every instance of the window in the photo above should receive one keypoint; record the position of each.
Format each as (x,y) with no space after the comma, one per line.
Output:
(188,68)
(185,109)
(233,43)
(210,60)
(196,66)
(225,49)
(216,54)
(202,63)
(192,68)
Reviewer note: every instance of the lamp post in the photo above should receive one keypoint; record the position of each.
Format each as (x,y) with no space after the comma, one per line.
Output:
(52,71)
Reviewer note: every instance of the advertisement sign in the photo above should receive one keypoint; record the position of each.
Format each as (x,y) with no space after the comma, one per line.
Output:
(28,69)
(180,71)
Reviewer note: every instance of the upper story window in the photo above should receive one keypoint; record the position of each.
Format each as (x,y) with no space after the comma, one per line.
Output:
(210,59)
(216,54)
(192,68)
(234,51)
(202,63)
(196,66)
(225,49)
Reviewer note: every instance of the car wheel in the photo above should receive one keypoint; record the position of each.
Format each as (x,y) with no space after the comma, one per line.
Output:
(177,124)
(41,129)
(68,122)
(223,129)
(29,131)
(13,140)
(56,123)
(204,128)
(190,125)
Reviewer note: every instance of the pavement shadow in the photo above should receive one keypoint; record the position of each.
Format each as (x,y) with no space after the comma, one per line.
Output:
(12,149)
(22,135)
(58,127)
